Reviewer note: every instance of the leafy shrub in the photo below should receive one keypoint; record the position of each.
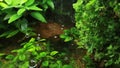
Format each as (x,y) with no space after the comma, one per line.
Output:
(16,14)
(98,24)
(34,54)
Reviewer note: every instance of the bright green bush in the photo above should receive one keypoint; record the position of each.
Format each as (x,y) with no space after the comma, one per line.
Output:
(98,22)
(35,54)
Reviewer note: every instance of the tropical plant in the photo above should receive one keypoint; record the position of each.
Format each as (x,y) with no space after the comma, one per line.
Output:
(17,15)
(98,24)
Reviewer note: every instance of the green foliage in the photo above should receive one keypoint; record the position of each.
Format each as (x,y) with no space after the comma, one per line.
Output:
(32,53)
(98,24)
(69,34)
(16,14)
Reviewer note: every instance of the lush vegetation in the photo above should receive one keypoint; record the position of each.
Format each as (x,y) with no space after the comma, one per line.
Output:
(98,24)
(17,15)
(96,31)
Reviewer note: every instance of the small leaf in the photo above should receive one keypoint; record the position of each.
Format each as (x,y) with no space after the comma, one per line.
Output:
(68,39)
(53,53)
(14,17)
(34,8)
(43,54)
(21,11)
(9,57)
(29,2)
(22,57)
(63,36)
(38,16)
(50,3)
(12,33)
(45,63)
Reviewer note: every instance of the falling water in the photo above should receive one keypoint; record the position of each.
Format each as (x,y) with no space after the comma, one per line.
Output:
(64,12)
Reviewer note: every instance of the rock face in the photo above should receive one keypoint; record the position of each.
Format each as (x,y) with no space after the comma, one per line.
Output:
(49,30)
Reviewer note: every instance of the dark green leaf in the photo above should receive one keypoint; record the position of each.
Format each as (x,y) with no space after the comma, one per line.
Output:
(38,16)
(50,3)
(5,33)
(12,33)
(24,25)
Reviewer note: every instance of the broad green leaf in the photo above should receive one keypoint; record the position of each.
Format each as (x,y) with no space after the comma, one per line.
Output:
(45,63)
(50,3)
(29,2)
(34,8)
(42,54)
(23,1)
(21,11)
(53,53)
(8,1)
(3,5)
(12,33)
(14,17)
(21,57)
(38,16)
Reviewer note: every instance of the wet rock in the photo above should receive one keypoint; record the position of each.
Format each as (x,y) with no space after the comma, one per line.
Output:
(50,30)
